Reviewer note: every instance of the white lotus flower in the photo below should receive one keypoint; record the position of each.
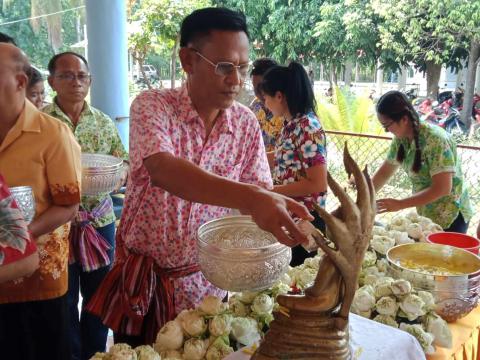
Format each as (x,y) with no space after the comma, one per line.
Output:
(414,231)
(365,314)
(371,279)
(428,299)
(218,350)
(212,305)
(124,355)
(387,320)
(170,337)
(400,237)
(193,323)
(413,306)
(363,300)
(424,222)
(369,259)
(313,262)
(220,325)
(306,277)
(379,230)
(382,265)
(245,331)
(280,288)
(386,306)
(413,216)
(262,304)
(401,287)
(424,338)
(248,296)
(238,308)
(382,287)
(195,349)
(439,328)
(146,352)
(122,352)
(382,244)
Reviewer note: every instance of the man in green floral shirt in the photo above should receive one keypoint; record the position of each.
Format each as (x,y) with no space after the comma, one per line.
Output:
(96,133)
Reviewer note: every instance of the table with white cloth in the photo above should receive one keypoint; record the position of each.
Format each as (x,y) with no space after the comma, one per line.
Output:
(371,340)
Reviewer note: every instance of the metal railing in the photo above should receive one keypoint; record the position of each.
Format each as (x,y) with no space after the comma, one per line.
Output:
(371,151)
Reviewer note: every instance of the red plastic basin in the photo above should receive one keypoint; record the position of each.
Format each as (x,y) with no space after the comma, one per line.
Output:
(456,239)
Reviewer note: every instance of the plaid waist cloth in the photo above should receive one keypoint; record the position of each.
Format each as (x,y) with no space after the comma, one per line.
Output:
(87,246)
(137,295)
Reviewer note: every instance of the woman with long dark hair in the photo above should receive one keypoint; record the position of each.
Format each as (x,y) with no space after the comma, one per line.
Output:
(299,161)
(429,157)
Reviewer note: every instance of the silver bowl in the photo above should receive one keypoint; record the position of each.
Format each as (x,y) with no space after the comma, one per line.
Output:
(101,173)
(236,255)
(25,200)
(456,288)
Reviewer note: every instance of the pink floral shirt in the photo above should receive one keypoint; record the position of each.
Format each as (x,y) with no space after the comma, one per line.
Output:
(158,224)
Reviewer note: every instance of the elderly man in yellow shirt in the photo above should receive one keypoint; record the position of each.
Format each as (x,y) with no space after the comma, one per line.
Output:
(39,151)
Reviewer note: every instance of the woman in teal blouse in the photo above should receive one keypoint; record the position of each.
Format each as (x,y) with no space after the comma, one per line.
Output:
(429,157)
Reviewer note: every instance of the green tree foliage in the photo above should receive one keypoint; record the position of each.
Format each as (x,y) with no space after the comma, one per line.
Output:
(37,44)
(281,29)
(158,28)
(429,33)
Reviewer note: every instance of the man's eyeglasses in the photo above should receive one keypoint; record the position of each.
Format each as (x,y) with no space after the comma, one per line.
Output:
(224,68)
(83,78)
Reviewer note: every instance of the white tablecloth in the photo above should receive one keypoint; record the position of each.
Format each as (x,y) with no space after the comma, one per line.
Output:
(373,341)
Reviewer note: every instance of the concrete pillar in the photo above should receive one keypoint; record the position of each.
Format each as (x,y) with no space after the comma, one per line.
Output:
(108,59)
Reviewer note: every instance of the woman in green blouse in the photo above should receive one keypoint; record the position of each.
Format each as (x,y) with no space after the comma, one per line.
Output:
(429,157)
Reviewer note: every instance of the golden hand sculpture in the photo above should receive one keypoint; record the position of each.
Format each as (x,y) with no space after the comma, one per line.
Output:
(317,325)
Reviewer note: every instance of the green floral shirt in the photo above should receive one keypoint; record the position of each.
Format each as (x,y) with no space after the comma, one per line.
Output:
(96,133)
(439,154)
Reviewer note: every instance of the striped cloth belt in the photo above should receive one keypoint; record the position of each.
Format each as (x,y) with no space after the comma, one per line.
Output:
(136,297)
(87,246)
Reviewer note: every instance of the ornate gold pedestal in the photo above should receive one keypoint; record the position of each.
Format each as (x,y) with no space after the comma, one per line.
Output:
(304,335)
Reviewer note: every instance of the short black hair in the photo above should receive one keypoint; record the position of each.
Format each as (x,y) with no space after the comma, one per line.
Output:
(7,39)
(34,76)
(53,61)
(201,22)
(293,82)
(260,66)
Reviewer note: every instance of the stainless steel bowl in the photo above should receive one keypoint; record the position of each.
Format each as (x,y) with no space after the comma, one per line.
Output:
(101,173)
(25,200)
(236,255)
(457,293)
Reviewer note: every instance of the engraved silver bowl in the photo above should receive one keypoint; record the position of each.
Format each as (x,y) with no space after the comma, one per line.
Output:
(25,200)
(101,173)
(236,255)
(455,295)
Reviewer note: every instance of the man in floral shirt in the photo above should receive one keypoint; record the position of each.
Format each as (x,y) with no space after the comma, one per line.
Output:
(195,153)
(96,133)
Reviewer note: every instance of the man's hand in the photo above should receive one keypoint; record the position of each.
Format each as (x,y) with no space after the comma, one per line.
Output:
(271,213)
(389,205)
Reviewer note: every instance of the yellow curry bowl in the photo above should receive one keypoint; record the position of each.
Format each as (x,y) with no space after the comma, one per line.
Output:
(451,274)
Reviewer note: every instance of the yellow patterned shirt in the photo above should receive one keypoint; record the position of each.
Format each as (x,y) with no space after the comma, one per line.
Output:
(41,152)
(271,125)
